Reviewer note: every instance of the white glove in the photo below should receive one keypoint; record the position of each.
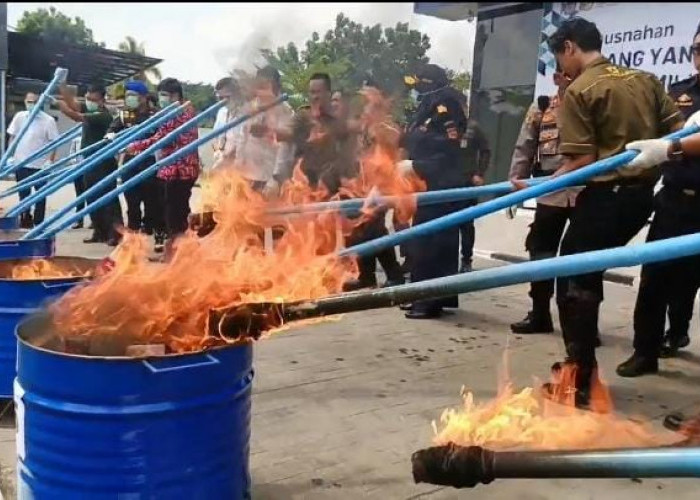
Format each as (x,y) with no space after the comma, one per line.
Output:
(405,167)
(651,152)
(110,136)
(271,189)
(693,119)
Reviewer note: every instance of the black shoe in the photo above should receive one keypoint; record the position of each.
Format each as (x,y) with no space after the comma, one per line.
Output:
(674,343)
(353,285)
(159,243)
(638,365)
(555,393)
(406,307)
(466,267)
(77,225)
(422,314)
(674,421)
(533,324)
(114,241)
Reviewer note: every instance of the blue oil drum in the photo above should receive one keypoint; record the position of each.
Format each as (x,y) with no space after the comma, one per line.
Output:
(9,223)
(19,298)
(165,427)
(12,247)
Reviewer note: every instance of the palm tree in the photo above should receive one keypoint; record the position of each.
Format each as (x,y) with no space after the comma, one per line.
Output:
(131,46)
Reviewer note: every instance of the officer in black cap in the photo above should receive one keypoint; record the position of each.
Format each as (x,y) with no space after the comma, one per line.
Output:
(432,144)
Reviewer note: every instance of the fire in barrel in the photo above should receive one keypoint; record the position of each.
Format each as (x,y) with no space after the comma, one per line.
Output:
(25,286)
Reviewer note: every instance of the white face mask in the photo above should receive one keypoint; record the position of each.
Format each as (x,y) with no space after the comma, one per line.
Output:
(414,95)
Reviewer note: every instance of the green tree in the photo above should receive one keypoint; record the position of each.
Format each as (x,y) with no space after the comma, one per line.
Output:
(351,52)
(201,95)
(460,80)
(52,25)
(131,46)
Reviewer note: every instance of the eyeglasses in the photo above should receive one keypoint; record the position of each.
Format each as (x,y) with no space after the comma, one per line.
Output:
(695,49)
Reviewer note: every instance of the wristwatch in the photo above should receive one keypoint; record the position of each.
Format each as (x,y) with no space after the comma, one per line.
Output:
(676,150)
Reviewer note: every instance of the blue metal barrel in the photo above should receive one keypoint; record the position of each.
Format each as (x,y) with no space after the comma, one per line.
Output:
(11,247)
(19,298)
(9,223)
(167,427)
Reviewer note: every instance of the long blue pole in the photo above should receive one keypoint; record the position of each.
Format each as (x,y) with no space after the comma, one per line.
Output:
(422,199)
(146,173)
(460,217)
(525,272)
(115,146)
(106,181)
(59,76)
(56,143)
(52,169)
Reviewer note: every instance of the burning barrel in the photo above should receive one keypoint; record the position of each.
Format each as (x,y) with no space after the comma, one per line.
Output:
(164,426)
(9,223)
(25,284)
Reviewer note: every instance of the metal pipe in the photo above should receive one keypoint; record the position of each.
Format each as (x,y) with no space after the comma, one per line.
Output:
(56,143)
(422,199)
(143,175)
(460,217)
(467,466)
(119,142)
(59,76)
(235,320)
(52,168)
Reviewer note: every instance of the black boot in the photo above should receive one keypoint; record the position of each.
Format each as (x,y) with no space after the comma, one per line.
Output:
(638,365)
(534,322)
(359,284)
(673,342)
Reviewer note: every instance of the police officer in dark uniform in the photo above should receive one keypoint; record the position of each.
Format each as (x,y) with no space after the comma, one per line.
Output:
(681,302)
(136,110)
(671,284)
(475,159)
(432,143)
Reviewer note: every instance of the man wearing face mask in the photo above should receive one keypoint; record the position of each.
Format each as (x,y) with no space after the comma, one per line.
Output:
(224,145)
(96,119)
(41,132)
(432,143)
(137,110)
(177,179)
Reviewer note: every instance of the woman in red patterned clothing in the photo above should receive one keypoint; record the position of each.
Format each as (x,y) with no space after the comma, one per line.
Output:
(178,178)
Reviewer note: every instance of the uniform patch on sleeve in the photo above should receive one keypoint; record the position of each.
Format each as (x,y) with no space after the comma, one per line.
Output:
(442,109)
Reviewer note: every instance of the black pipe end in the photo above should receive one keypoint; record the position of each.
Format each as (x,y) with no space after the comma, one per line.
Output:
(452,465)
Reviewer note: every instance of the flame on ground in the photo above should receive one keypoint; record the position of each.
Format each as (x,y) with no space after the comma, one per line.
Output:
(526,420)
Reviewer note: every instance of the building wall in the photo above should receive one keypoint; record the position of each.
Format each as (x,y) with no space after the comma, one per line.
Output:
(504,73)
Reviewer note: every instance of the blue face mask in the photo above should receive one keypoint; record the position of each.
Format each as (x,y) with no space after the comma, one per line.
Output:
(91,106)
(163,101)
(131,101)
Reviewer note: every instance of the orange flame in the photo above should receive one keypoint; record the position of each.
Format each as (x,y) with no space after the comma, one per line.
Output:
(44,269)
(526,420)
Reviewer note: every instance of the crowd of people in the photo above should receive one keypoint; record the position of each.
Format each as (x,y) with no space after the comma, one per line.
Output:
(600,109)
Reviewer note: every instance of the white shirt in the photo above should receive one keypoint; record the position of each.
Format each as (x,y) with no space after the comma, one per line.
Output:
(261,158)
(41,131)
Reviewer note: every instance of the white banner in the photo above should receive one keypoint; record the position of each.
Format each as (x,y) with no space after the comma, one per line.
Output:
(654,37)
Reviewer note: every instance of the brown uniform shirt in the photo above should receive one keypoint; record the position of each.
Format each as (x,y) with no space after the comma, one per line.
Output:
(608,106)
(539,136)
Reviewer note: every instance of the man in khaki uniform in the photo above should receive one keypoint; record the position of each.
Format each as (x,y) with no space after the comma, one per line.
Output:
(604,108)
(536,154)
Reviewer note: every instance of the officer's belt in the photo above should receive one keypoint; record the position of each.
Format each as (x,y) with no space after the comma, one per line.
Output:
(622,183)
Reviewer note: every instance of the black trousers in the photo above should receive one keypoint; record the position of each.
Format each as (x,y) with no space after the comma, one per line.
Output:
(676,214)
(434,255)
(371,230)
(107,218)
(40,206)
(176,201)
(147,194)
(542,242)
(467,234)
(79,184)
(606,215)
